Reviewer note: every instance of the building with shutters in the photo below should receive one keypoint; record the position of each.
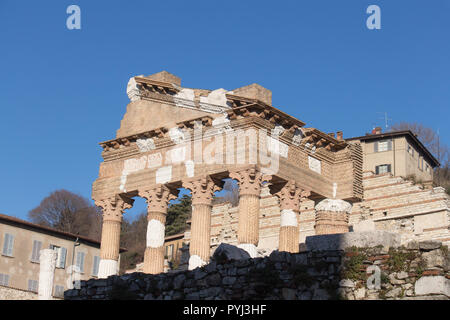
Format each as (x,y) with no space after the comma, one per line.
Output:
(20,244)
(399,153)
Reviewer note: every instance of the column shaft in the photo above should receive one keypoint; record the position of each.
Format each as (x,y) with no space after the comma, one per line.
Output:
(110,242)
(201,231)
(290,194)
(113,208)
(202,190)
(154,252)
(248,224)
(289,239)
(249,181)
(158,199)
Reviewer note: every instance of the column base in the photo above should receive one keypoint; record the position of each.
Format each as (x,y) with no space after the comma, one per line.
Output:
(195,261)
(250,248)
(107,268)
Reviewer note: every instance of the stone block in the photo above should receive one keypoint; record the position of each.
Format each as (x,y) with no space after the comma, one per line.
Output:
(429,245)
(434,259)
(342,241)
(364,225)
(227,251)
(432,285)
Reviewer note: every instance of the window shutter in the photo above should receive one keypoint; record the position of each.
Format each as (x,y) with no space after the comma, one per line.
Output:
(33,285)
(375,145)
(37,245)
(377,170)
(8,245)
(5,244)
(389,145)
(389,168)
(80,261)
(4,279)
(96,264)
(62,257)
(11,245)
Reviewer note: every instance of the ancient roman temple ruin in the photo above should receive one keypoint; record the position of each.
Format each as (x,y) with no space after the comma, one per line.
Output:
(173,137)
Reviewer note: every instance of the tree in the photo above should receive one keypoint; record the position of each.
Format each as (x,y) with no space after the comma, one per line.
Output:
(437,147)
(133,238)
(68,212)
(177,215)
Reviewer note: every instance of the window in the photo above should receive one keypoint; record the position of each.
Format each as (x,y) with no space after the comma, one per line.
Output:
(384,168)
(8,245)
(169,252)
(33,285)
(59,292)
(61,256)
(427,168)
(385,145)
(410,150)
(80,261)
(95,266)
(4,279)
(37,245)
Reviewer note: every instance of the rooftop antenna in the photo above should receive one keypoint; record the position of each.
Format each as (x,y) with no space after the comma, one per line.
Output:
(439,158)
(386,119)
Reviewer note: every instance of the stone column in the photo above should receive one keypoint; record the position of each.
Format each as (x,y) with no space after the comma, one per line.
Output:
(249,181)
(158,199)
(290,195)
(202,195)
(47,264)
(113,209)
(332,216)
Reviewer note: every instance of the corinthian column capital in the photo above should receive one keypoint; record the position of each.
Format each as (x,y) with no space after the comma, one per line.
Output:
(203,189)
(158,197)
(290,195)
(114,206)
(249,181)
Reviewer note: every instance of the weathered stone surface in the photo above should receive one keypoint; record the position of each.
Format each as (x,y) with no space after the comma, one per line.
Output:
(394,293)
(227,251)
(365,225)
(346,283)
(360,293)
(432,285)
(433,259)
(429,245)
(358,239)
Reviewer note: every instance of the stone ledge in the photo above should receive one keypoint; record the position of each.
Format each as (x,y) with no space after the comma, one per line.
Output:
(432,285)
(342,241)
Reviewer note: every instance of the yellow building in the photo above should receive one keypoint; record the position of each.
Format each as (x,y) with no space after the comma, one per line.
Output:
(20,243)
(399,153)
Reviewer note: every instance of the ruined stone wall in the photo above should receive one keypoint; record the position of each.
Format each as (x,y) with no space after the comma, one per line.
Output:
(392,203)
(398,205)
(418,271)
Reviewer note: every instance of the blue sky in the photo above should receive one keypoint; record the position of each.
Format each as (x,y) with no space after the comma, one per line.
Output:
(63,91)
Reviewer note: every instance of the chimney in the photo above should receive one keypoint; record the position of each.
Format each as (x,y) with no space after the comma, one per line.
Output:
(331,134)
(376,130)
(340,135)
